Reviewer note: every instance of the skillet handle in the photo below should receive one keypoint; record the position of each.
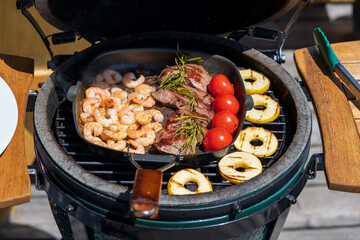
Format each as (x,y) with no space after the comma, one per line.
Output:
(144,202)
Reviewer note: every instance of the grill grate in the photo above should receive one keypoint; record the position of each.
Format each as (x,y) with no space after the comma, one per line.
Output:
(123,173)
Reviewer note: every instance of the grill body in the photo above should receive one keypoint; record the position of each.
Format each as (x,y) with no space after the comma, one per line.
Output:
(83,194)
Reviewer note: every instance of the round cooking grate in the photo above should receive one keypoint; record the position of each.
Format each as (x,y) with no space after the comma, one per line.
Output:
(123,173)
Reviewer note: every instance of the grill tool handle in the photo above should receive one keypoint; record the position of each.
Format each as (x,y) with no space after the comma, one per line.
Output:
(340,133)
(144,202)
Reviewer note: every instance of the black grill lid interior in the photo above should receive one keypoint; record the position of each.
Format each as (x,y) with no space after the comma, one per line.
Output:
(114,18)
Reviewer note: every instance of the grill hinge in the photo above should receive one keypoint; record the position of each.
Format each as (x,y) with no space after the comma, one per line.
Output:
(284,34)
(23,5)
(272,34)
(56,38)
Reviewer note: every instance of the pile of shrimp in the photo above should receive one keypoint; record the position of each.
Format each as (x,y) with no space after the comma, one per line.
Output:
(121,119)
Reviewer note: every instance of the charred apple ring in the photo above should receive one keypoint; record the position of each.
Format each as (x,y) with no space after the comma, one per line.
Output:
(229,165)
(255,82)
(270,111)
(246,142)
(176,185)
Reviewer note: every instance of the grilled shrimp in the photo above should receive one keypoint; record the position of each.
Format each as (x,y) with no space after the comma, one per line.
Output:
(148,139)
(146,101)
(118,93)
(154,126)
(145,90)
(116,132)
(96,92)
(90,104)
(127,114)
(135,134)
(106,121)
(138,147)
(130,80)
(128,118)
(143,117)
(117,145)
(86,117)
(157,115)
(118,98)
(91,132)
(111,76)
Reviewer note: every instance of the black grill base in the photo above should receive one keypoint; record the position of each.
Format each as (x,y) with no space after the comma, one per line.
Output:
(76,221)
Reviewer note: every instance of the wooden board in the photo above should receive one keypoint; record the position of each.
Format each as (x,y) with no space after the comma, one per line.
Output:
(340,134)
(14,176)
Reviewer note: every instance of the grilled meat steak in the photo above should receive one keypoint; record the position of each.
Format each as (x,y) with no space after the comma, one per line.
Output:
(165,140)
(196,76)
(173,99)
(192,95)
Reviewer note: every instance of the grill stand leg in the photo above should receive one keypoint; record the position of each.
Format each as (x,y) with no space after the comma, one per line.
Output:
(78,228)
(278,225)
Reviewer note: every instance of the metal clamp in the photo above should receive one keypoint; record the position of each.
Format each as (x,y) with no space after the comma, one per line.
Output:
(39,184)
(32,95)
(317,163)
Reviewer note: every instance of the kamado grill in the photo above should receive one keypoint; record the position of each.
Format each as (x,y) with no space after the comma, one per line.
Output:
(89,194)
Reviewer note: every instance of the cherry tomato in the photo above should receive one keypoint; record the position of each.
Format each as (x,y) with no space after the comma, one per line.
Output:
(227,120)
(220,84)
(217,138)
(226,102)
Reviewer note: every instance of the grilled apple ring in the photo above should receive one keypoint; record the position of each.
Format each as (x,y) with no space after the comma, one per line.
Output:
(255,82)
(176,184)
(229,165)
(268,141)
(270,111)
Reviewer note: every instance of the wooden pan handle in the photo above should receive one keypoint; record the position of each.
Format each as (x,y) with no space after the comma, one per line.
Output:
(144,202)
(340,136)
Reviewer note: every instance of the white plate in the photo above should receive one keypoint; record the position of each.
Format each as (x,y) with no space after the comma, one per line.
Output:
(8,115)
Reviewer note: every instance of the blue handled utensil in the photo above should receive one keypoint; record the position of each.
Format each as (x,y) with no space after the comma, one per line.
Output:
(328,55)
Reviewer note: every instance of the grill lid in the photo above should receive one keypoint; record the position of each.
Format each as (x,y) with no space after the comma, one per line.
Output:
(109,19)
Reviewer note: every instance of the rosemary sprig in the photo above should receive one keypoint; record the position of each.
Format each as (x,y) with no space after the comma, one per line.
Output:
(190,129)
(173,82)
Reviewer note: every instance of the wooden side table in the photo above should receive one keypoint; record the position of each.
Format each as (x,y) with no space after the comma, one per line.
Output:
(339,119)
(18,73)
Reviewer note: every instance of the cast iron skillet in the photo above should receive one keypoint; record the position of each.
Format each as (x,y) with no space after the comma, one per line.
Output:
(153,61)
(144,202)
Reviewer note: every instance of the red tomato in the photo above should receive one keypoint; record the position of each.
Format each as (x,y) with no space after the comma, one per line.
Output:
(220,84)
(217,138)
(227,120)
(226,102)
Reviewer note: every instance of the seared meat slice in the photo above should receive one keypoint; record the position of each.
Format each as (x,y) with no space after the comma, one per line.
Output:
(179,101)
(173,125)
(196,76)
(204,96)
(165,140)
